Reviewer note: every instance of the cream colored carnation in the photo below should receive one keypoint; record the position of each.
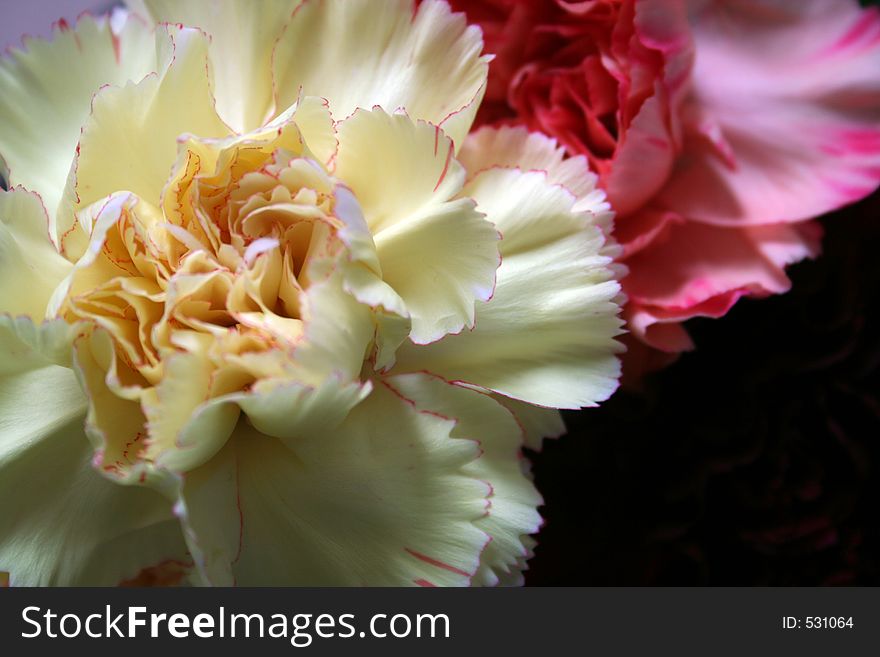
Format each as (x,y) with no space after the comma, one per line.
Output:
(297,325)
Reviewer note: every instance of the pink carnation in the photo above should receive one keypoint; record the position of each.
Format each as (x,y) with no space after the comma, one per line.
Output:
(718,128)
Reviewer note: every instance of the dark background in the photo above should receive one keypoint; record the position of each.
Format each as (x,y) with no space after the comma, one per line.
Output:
(751,461)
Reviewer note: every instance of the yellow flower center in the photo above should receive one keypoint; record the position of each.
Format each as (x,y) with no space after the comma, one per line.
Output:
(221,270)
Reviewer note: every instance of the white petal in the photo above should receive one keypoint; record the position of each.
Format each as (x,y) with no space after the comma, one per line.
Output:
(536,422)
(46,91)
(61,522)
(439,255)
(28,346)
(383,500)
(513,512)
(362,53)
(514,147)
(243,35)
(30,266)
(130,140)
(547,335)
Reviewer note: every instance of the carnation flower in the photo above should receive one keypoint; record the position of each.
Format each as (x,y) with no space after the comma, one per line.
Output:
(294,332)
(718,128)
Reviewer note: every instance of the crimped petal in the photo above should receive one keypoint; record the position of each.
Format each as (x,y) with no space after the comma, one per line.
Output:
(386,499)
(514,147)
(243,35)
(46,91)
(130,140)
(395,166)
(313,118)
(425,60)
(30,266)
(440,263)
(788,123)
(513,513)
(61,522)
(439,254)
(547,335)
(115,425)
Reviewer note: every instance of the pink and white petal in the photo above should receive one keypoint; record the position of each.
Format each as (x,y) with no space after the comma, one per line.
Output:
(547,335)
(513,514)
(30,265)
(651,140)
(243,36)
(438,254)
(643,228)
(643,160)
(385,499)
(701,271)
(663,25)
(46,90)
(61,522)
(787,118)
(662,330)
(425,60)
(699,263)
(130,140)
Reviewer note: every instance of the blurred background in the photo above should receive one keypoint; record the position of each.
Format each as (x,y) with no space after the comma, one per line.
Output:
(752,461)
(35,17)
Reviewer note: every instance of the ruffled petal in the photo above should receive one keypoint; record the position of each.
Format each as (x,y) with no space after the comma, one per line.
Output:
(650,141)
(514,147)
(425,60)
(440,263)
(786,121)
(438,253)
(385,499)
(130,140)
(703,270)
(547,335)
(62,523)
(243,35)
(30,266)
(46,91)
(513,513)
(644,159)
